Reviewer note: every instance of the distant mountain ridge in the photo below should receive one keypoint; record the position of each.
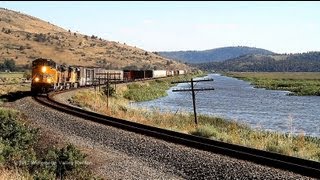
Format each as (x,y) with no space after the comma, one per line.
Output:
(299,62)
(213,55)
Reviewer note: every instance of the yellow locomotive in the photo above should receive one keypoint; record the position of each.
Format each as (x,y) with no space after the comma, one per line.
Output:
(48,76)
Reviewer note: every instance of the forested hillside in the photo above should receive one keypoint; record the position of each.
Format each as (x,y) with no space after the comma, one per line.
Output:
(301,62)
(213,55)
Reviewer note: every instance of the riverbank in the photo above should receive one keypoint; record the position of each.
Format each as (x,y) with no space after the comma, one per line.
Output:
(210,127)
(149,90)
(299,83)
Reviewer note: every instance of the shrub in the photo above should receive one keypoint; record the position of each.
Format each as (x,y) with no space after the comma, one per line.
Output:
(16,140)
(27,74)
(40,37)
(8,64)
(110,89)
(8,31)
(21,48)
(278,148)
(205,131)
(65,160)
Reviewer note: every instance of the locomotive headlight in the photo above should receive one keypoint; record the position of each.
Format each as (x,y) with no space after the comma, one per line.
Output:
(44,69)
(49,80)
(36,79)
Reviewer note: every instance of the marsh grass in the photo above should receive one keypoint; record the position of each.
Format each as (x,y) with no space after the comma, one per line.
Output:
(148,90)
(299,83)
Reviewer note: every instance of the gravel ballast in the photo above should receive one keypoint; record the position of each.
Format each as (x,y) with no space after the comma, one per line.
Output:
(119,154)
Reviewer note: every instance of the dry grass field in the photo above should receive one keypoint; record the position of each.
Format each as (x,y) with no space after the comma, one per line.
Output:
(25,38)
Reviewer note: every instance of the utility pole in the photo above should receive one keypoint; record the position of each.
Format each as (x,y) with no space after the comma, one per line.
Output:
(106,80)
(193,90)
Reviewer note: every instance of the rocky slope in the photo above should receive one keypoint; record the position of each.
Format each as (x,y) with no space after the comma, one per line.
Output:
(24,38)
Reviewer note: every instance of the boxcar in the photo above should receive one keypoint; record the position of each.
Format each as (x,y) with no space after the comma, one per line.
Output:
(148,74)
(86,76)
(159,73)
(181,72)
(131,75)
(170,73)
(107,74)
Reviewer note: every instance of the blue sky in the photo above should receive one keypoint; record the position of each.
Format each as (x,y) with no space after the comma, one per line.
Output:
(282,27)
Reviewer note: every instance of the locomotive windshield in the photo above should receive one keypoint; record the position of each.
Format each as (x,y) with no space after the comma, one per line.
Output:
(43,62)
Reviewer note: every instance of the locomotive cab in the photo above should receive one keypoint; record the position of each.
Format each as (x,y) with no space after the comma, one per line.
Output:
(44,75)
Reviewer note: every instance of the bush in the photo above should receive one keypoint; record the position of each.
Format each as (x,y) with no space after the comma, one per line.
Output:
(16,140)
(27,74)
(67,162)
(40,37)
(205,131)
(8,64)
(278,148)
(105,89)
(64,161)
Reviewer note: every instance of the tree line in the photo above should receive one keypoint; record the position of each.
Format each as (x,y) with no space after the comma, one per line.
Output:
(10,65)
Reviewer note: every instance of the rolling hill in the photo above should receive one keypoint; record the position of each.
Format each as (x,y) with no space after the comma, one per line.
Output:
(24,38)
(212,55)
(300,62)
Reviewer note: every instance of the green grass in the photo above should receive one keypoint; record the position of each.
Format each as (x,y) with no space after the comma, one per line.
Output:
(145,91)
(299,83)
(11,75)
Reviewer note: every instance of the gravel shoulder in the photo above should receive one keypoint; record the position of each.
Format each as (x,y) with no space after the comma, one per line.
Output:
(118,154)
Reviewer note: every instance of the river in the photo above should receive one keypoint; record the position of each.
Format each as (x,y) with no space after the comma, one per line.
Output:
(235,99)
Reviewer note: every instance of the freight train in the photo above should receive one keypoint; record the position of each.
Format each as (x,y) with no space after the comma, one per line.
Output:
(49,76)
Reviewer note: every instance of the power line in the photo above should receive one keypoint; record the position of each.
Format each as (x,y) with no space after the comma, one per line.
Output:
(193,90)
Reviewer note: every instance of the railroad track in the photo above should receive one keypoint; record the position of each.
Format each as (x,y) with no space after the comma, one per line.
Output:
(289,163)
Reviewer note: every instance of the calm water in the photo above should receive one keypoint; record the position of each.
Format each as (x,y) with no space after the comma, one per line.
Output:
(236,99)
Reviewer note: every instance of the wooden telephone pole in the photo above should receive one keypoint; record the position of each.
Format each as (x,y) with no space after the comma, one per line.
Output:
(105,78)
(193,93)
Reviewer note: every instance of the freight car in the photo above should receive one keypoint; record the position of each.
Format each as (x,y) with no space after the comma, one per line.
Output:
(48,76)
(133,75)
(159,73)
